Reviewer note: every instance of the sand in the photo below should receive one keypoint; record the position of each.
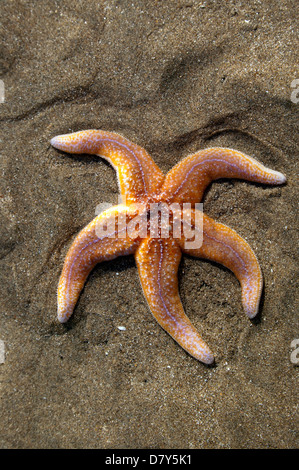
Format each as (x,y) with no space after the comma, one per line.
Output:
(173,77)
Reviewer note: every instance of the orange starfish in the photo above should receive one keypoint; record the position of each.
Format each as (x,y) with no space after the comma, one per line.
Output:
(143,185)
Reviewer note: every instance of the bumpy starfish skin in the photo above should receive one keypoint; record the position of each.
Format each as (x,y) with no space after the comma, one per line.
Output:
(157,257)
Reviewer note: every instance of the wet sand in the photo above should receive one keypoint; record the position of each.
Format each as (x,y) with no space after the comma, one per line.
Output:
(173,77)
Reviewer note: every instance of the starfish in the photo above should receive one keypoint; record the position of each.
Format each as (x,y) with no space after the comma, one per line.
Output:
(143,185)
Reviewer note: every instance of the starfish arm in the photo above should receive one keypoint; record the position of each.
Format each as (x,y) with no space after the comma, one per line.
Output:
(223,245)
(137,173)
(158,261)
(103,239)
(188,179)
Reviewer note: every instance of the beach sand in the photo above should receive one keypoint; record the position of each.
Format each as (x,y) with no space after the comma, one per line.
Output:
(173,77)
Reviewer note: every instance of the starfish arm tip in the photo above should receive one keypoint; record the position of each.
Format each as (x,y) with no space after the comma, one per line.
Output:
(54,141)
(62,318)
(64,311)
(77,142)
(251,313)
(281,178)
(251,296)
(209,359)
(60,142)
(198,348)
